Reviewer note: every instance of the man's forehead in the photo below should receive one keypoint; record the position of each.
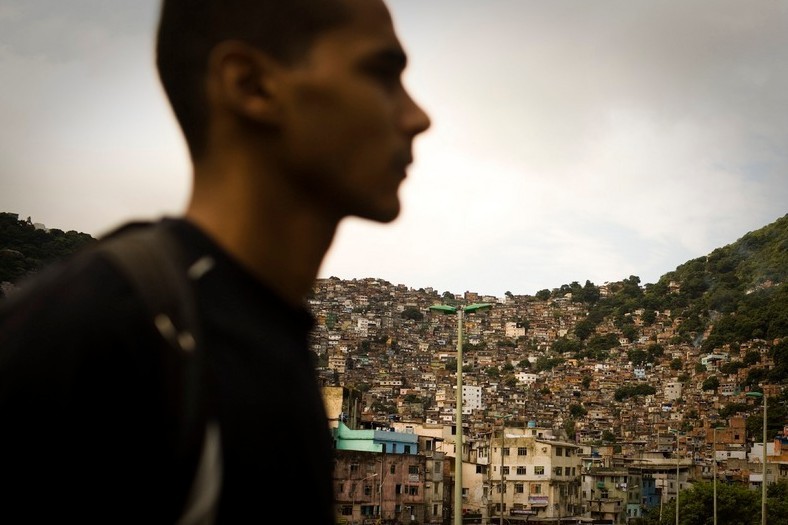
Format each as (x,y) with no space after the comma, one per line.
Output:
(369,15)
(369,32)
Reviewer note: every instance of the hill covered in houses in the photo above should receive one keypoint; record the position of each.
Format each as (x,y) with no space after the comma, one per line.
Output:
(610,361)
(602,362)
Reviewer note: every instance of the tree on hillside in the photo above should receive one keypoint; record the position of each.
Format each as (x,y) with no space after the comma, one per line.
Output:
(25,249)
(777,503)
(711,383)
(736,504)
(412,313)
(543,295)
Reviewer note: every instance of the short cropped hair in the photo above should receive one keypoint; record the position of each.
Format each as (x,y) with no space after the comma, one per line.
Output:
(189,29)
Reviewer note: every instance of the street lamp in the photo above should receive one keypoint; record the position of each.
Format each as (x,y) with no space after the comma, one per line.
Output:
(503,478)
(460,311)
(763,480)
(353,503)
(678,483)
(714,459)
(678,480)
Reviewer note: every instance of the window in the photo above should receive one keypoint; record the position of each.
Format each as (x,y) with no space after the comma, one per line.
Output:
(567,471)
(557,471)
(413,490)
(539,470)
(413,469)
(367,490)
(437,468)
(559,451)
(354,467)
(522,451)
(398,488)
(519,488)
(347,510)
(536,488)
(505,471)
(407,449)
(428,445)
(505,451)
(393,468)
(521,471)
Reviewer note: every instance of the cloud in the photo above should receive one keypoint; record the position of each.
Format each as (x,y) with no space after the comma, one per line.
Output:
(571,140)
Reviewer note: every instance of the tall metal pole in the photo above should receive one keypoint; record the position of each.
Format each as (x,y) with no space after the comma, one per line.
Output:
(503,433)
(460,311)
(714,459)
(763,481)
(678,483)
(458,422)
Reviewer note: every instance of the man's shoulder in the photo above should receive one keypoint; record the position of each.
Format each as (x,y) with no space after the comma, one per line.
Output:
(72,300)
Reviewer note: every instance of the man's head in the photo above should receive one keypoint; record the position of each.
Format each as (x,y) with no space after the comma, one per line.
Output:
(307,94)
(190,29)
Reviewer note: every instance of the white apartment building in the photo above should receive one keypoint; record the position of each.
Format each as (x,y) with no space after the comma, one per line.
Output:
(514,329)
(526,378)
(531,477)
(672,390)
(471,398)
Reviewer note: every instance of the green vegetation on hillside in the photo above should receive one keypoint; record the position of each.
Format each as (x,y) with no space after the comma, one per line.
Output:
(736,294)
(25,249)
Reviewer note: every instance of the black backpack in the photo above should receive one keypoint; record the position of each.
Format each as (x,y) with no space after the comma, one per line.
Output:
(153,262)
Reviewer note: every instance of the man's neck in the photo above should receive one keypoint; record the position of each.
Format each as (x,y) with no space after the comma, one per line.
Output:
(283,249)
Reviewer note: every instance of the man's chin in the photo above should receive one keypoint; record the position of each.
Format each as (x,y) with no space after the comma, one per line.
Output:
(381,215)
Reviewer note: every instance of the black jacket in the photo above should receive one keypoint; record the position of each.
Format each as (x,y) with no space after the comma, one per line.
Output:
(85,423)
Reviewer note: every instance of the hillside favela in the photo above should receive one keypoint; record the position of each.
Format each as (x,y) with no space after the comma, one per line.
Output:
(607,403)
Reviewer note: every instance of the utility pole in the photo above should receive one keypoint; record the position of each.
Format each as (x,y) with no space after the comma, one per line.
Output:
(460,311)
(503,479)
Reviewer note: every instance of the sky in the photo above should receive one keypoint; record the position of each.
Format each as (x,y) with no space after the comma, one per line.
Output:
(571,140)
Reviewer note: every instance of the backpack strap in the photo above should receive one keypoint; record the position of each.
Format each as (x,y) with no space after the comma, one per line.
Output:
(153,262)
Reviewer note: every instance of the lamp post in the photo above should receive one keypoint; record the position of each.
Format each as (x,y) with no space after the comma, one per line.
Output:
(353,504)
(460,311)
(714,460)
(714,470)
(678,483)
(763,478)
(503,479)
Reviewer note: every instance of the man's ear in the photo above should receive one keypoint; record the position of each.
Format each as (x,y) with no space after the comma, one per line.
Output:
(242,80)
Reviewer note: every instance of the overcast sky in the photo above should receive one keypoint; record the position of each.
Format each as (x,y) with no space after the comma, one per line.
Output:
(572,140)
